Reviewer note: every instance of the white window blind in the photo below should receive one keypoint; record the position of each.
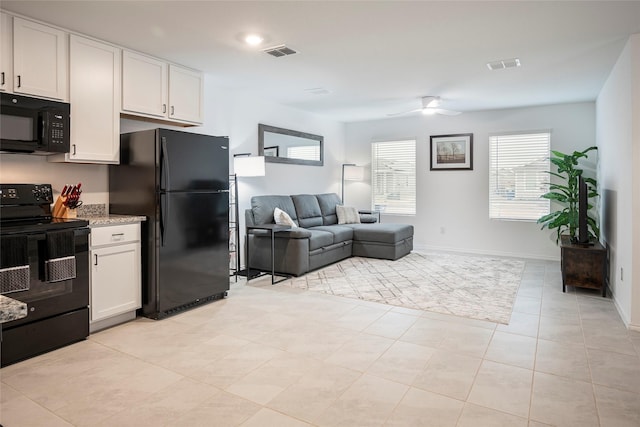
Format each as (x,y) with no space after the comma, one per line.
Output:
(393,176)
(304,152)
(518,176)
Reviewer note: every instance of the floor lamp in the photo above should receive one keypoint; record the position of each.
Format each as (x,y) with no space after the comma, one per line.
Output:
(351,172)
(245,165)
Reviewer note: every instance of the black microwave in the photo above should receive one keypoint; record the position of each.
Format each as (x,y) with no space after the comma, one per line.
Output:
(33,125)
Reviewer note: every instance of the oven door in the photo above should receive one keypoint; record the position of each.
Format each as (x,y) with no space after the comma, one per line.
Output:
(45,299)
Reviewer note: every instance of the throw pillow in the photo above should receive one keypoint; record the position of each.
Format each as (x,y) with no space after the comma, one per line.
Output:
(283,218)
(347,215)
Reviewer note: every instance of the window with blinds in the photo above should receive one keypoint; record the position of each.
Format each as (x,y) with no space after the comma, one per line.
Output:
(519,175)
(393,176)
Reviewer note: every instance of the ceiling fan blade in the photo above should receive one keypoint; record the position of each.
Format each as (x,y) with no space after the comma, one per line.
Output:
(445,112)
(405,112)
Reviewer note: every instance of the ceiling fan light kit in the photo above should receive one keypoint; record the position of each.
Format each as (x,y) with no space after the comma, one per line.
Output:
(429,107)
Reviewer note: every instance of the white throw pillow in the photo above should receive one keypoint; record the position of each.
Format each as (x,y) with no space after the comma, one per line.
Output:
(283,218)
(347,215)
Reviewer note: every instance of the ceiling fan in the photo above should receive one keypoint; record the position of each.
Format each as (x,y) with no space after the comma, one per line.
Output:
(430,106)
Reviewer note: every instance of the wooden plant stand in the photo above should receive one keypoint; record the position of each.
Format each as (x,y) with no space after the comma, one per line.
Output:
(584,266)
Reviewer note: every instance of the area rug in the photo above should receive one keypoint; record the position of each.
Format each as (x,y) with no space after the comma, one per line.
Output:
(477,287)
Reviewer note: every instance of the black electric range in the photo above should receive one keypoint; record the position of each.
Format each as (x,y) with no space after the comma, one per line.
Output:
(44,262)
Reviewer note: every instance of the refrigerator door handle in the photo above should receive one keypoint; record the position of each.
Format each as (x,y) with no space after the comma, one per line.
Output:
(164,213)
(165,165)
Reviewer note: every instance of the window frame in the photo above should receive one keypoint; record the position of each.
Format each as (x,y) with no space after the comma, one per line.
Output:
(532,182)
(380,191)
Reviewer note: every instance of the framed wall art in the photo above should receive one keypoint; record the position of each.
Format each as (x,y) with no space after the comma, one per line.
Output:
(272,151)
(452,152)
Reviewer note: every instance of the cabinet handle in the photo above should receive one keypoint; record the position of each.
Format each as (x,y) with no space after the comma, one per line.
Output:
(164,108)
(117,234)
(2,79)
(96,259)
(172,110)
(74,149)
(19,81)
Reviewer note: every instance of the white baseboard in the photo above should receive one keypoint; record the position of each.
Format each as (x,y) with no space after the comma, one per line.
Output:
(492,253)
(111,321)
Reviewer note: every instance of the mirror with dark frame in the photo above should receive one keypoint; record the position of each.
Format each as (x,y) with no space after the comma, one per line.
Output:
(279,145)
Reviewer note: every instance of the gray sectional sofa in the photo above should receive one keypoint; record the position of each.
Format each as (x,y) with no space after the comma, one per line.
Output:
(318,240)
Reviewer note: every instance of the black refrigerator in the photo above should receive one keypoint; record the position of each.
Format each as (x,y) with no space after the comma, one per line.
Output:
(180,182)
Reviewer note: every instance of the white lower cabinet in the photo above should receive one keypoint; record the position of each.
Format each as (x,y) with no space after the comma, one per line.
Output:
(116,291)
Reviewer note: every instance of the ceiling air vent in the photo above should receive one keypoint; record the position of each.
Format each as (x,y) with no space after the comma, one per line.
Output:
(279,51)
(503,63)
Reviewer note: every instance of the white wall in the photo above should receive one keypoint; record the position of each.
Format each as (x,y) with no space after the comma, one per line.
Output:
(458,200)
(618,139)
(227,114)
(237,115)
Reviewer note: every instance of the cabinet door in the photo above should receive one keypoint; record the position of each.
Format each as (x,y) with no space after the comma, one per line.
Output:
(185,94)
(6,52)
(94,92)
(39,60)
(115,280)
(144,85)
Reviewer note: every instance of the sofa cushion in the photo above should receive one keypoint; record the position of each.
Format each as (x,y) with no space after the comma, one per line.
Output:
(308,210)
(319,239)
(347,215)
(264,206)
(328,204)
(381,232)
(340,233)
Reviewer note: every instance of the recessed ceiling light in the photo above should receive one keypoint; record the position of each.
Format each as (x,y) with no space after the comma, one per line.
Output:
(253,39)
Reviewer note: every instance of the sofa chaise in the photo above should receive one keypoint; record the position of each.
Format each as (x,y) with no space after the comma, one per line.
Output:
(318,239)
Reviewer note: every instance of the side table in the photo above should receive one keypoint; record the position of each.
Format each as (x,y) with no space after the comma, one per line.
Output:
(584,266)
(272,229)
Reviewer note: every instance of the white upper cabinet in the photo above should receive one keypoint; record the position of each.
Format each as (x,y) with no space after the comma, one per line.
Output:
(6,52)
(153,88)
(185,94)
(94,94)
(144,85)
(39,60)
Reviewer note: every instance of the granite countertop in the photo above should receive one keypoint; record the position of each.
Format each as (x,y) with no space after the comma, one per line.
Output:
(110,219)
(11,309)
(97,215)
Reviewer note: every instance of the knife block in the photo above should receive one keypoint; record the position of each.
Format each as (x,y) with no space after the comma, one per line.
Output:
(61,211)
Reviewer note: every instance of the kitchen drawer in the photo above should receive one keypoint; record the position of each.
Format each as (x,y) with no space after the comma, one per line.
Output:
(115,234)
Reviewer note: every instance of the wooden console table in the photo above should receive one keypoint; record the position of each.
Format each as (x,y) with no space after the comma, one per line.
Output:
(584,266)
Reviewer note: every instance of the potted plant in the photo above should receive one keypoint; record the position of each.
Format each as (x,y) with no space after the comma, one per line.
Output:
(566,194)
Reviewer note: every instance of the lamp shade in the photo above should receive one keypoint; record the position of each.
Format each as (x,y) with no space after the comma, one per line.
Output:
(249,166)
(353,173)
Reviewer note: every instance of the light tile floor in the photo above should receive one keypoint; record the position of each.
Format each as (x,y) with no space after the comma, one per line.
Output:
(278,357)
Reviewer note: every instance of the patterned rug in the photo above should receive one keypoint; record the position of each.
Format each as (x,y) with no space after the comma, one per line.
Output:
(477,287)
